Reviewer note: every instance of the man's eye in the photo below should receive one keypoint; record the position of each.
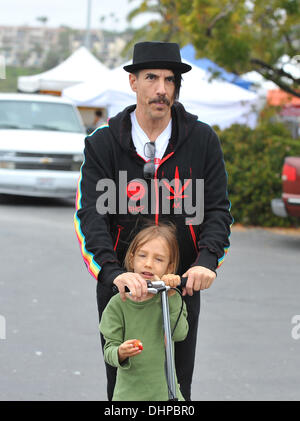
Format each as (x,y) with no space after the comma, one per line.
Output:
(171,79)
(151,77)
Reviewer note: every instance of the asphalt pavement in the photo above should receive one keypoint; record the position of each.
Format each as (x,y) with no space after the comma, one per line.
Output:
(49,340)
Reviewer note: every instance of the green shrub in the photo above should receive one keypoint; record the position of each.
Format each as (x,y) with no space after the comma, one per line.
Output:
(254,160)
(10,84)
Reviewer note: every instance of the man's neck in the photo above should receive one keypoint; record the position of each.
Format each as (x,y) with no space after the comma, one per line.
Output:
(152,127)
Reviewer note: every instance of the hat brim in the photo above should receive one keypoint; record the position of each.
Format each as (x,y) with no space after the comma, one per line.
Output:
(170,65)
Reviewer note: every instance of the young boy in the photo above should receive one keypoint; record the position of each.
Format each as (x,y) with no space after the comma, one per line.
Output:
(141,374)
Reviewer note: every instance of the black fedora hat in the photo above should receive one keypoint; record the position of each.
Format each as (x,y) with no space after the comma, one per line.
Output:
(157,55)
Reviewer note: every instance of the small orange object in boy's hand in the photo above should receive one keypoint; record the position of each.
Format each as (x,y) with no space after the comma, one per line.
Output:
(138,344)
(129,348)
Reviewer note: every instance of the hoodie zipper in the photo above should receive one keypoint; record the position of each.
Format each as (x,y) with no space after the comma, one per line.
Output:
(156,188)
(118,237)
(193,237)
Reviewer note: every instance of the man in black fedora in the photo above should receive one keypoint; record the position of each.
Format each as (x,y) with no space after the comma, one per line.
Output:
(156,154)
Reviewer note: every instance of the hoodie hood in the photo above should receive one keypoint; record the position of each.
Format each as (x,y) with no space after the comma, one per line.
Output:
(120,126)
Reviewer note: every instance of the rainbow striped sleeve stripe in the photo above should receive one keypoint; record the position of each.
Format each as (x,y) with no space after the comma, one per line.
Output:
(88,257)
(221,260)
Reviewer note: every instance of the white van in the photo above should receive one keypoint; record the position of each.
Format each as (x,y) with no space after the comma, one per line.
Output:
(41,145)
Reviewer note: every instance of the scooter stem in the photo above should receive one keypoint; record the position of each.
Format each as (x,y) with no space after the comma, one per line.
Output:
(169,346)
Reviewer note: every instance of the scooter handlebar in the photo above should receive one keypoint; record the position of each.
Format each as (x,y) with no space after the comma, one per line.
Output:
(183,281)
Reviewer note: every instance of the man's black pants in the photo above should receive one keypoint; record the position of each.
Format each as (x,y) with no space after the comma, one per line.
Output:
(184,351)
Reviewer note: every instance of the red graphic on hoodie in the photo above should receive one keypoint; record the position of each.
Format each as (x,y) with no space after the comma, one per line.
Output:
(135,190)
(177,191)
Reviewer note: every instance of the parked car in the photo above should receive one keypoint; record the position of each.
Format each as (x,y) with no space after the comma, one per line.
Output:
(41,145)
(289,203)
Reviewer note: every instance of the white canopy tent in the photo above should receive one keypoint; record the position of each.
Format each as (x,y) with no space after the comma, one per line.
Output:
(215,102)
(114,93)
(81,66)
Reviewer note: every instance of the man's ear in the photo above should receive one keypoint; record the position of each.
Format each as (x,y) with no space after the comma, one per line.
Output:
(132,81)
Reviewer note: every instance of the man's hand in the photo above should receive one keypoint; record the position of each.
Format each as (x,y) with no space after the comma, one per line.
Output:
(199,278)
(171,280)
(135,282)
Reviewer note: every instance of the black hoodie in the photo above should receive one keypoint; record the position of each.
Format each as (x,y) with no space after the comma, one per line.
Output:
(193,152)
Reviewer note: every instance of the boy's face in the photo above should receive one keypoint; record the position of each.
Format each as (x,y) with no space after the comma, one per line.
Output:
(152,258)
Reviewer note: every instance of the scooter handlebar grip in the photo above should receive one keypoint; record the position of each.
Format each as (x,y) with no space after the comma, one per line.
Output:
(183,281)
(116,290)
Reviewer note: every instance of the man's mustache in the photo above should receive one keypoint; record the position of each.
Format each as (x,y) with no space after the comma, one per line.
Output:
(159,99)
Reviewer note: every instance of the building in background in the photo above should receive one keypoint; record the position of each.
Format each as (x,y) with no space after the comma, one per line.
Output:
(43,47)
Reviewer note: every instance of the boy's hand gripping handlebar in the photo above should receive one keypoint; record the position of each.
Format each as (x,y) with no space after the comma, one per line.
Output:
(154,287)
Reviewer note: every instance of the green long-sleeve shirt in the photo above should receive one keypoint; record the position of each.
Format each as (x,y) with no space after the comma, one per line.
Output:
(142,377)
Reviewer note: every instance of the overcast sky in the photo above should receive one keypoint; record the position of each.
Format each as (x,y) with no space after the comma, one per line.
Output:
(72,13)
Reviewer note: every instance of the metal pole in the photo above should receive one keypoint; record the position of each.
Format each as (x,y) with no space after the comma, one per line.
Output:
(169,346)
(88,26)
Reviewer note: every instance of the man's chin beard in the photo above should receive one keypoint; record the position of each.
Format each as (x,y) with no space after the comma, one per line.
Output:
(155,116)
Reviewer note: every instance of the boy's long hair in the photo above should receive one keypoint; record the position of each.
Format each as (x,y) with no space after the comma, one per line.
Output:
(165,231)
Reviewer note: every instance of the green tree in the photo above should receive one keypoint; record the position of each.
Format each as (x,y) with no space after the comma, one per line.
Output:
(239,35)
(42,19)
(63,49)
(52,60)
(164,24)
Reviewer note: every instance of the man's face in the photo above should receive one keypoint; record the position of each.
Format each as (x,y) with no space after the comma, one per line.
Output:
(155,90)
